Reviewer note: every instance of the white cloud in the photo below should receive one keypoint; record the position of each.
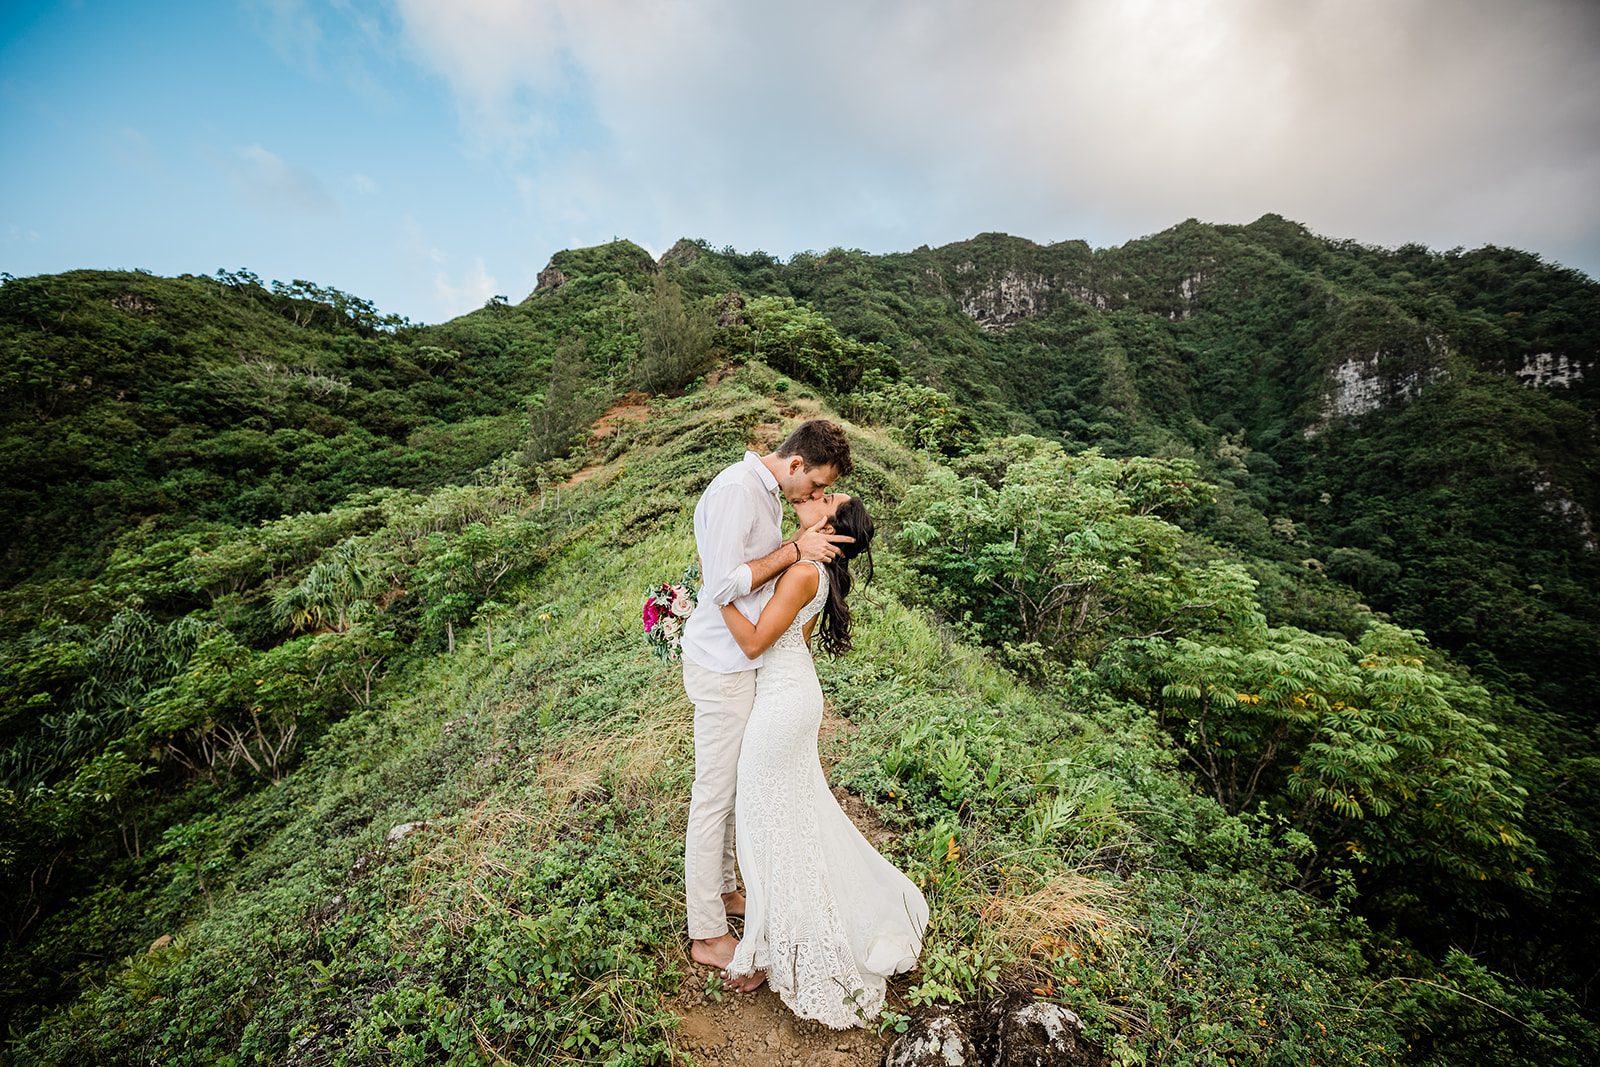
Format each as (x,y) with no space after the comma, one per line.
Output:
(473,291)
(363,184)
(423,259)
(893,122)
(274,186)
(320,38)
(290,28)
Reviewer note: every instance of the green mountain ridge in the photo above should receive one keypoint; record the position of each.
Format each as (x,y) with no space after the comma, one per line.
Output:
(1397,413)
(315,656)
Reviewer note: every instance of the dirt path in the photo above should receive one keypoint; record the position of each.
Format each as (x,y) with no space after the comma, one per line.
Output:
(634,407)
(755,1029)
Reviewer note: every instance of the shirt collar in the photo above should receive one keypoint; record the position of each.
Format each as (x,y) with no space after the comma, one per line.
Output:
(768,482)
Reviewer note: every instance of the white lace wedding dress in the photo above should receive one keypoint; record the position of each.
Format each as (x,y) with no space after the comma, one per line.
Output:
(826,916)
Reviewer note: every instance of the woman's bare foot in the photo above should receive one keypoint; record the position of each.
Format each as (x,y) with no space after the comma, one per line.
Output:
(733,903)
(745,983)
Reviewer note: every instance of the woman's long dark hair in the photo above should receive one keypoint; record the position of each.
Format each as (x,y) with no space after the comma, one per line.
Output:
(852,520)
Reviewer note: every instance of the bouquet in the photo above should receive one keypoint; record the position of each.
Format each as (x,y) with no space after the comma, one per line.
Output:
(667,607)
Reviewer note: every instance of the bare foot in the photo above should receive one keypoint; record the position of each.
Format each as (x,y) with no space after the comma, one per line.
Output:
(714,951)
(745,983)
(733,903)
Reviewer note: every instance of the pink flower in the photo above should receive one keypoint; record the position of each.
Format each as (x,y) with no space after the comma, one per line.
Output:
(651,614)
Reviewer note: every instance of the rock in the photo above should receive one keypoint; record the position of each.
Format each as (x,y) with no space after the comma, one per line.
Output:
(935,1038)
(1548,369)
(329,909)
(1010,1031)
(1032,1033)
(684,254)
(1007,299)
(550,278)
(1367,381)
(729,309)
(303,1052)
(401,832)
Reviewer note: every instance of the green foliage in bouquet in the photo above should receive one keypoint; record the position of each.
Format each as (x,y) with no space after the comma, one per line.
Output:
(667,607)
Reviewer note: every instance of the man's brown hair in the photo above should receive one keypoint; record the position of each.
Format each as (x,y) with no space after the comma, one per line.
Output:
(819,443)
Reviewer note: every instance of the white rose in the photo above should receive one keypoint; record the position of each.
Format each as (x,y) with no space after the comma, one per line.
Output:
(681,605)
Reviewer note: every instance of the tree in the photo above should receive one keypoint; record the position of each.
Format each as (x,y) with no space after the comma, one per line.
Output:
(234,705)
(1376,755)
(457,574)
(331,592)
(571,403)
(801,342)
(1063,554)
(918,415)
(674,338)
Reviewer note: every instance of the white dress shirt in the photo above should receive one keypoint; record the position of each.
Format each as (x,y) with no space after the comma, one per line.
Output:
(739,519)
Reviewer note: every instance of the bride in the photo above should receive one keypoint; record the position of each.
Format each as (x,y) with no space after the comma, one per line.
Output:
(827,918)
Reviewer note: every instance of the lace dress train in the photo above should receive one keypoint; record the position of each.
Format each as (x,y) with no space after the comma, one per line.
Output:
(826,916)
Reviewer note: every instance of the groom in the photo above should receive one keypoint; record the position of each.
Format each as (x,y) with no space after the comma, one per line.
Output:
(738,530)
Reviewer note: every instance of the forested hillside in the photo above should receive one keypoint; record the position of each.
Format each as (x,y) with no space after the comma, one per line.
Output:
(1421,424)
(1228,674)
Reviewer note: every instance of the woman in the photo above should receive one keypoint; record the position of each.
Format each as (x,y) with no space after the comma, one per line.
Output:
(826,917)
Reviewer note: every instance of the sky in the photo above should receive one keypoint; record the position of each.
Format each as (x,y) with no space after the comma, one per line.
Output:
(429,155)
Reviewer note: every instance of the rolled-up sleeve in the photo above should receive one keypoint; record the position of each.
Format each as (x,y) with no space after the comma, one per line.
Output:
(720,522)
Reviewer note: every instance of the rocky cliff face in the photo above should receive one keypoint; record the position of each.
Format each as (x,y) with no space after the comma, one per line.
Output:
(1558,502)
(550,278)
(1359,384)
(1551,370)
(1002,301)
(999,280)
(1378,354)
(624,259)
(1363,383)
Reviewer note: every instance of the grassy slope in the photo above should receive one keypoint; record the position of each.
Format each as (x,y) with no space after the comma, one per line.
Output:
(537,914)
(539,907)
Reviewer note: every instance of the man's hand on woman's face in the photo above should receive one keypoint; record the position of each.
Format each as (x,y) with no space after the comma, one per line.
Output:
(817,544)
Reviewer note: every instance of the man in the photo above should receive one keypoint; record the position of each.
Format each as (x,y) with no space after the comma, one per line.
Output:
(738,530)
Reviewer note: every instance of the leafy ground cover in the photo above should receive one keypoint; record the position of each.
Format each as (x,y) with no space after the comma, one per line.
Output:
(476,859)
(385,772)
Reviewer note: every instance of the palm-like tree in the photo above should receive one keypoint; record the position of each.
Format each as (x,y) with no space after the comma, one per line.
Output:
(332,592)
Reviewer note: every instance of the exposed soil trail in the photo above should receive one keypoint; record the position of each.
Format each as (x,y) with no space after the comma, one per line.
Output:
(634,408)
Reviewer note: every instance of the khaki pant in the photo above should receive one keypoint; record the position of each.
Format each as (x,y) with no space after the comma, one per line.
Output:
(721,708)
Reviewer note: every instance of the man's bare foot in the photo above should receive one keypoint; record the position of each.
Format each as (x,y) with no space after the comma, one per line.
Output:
(745,983)
(714,951)
(733,903)
(718,952)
